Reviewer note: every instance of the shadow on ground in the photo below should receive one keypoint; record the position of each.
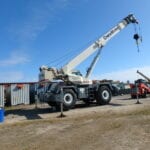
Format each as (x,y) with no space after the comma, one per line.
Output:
(113,104)
(34,113)
(124,98)
(30,114)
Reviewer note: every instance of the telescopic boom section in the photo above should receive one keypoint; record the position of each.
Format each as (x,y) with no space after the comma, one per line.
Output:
(144,76)
(98,44)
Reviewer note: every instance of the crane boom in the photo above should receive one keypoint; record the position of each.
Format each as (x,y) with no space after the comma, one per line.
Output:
(98,44)
(148,79)
(67,72)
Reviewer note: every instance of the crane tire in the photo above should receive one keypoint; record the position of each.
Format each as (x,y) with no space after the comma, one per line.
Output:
(69,99)
(103,96)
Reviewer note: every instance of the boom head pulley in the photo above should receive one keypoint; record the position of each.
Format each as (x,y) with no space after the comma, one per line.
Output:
(131,19)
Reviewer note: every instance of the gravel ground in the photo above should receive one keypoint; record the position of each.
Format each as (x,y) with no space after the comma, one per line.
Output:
(121,125)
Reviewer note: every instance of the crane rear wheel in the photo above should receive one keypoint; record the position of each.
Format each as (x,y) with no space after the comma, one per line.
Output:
(103,95)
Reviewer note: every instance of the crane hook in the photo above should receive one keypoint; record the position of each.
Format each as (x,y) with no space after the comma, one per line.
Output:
(137,38)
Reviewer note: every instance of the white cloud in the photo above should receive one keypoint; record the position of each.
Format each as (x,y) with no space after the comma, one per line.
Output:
(124,75)
(13,76)
(14,59)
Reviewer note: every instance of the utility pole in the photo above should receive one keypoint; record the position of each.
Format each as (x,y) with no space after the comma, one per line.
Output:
(137,95)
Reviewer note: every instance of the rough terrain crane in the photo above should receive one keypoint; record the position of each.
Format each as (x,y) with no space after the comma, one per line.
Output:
(74,85)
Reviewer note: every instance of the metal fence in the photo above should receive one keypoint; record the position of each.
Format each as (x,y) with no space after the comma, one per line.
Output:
(2,97)
(18,94)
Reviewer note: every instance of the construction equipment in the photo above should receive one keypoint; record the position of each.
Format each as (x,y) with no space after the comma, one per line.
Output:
(75,86)
(141,87)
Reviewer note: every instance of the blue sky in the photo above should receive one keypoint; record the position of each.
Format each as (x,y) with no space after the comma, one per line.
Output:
(39,32)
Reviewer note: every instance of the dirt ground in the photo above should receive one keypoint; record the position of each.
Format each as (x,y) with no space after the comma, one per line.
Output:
(121,125)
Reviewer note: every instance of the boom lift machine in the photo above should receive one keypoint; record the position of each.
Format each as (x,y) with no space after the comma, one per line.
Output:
(141,87)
